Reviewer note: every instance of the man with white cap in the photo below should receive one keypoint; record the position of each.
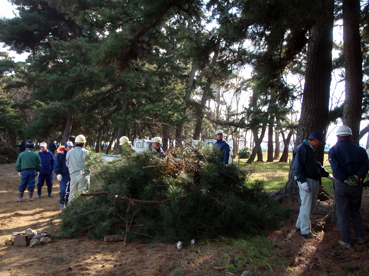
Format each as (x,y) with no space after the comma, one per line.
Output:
(78,170)
(126,144)
(156,147)
(46,172)
(223,146)
(349,165)
(62,173)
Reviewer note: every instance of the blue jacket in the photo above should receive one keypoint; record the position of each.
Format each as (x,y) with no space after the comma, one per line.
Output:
(52,147)
(60,166)
(348,159)
(47,162)
(224,147)
(305,163)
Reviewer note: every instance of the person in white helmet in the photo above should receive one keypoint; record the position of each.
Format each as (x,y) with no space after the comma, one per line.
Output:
(78,170)
(349,164)
(46,172)
(156,147)
(126,144)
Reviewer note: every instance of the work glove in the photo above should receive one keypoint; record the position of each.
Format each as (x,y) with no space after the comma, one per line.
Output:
(330,178)
(20,174)
(37,174)
(59,177)
(305,186)
(82,172)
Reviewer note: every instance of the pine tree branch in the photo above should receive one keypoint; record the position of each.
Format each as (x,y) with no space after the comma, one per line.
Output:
(133,201)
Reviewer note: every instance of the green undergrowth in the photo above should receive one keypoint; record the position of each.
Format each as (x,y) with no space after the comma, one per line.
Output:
(183,197)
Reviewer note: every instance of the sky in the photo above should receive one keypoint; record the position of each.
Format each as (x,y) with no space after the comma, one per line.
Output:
(8,10)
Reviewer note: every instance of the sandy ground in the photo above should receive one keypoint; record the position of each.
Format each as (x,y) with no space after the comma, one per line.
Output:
(320,256)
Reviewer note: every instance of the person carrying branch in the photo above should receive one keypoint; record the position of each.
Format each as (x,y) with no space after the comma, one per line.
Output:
(307,172)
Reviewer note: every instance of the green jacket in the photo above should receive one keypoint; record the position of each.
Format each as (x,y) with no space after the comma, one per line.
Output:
(28,160)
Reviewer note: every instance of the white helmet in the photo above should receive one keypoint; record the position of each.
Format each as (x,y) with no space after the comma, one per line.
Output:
(343,131)
(43,144)
(80,139)
(123,140)
(157,140)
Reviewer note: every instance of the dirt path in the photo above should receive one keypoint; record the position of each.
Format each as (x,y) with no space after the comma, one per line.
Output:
(320,256)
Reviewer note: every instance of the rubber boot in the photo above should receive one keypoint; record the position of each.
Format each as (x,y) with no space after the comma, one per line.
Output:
(30,195)
(49,188)
(66,200)
(39,192)
(20,197)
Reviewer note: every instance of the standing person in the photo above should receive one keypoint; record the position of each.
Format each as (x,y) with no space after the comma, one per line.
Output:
(72,138)
(156,147)
(350,165)
(28,164)
(223,146)
(307,172)
(52,147)
(22,147)
(126,144)
(79,172)
(62,173)
(46,172)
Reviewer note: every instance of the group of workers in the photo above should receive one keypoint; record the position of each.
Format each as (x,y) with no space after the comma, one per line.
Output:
(349,164)
(69,166)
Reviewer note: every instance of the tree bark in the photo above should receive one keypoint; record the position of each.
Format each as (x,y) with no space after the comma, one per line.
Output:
(270,140)
(314,110)
(67,128)
(277,151)
(286,142)
(257,148)
(352,109)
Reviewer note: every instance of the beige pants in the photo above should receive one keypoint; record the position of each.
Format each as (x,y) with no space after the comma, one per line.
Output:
(78,183)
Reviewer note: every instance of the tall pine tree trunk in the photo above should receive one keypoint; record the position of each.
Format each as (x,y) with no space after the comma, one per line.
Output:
(67,128)
(257,148)
(286,142)
(270,139)
(200,117)
(353,67)
(277,151)
(314,110)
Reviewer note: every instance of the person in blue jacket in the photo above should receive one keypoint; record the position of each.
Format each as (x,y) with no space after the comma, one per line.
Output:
(308,172)
(62,173)
(223,146)
(46,172)
(349,165)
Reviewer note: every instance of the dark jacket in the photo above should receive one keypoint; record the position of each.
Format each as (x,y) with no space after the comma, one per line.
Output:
(305,163)
(60,166)
(28,160)
(224,147)
(47,162)
(160,152)
(348,159)
(52,147)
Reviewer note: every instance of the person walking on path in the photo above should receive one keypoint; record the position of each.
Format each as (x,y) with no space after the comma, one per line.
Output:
(62,173)
(349,165)
(46,172)
(307,172)
(79,171)
(28,164)
(223,146)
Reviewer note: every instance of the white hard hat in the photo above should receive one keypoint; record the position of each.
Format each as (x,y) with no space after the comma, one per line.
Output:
(124,139)
(218,132)
(80,139)
(157,140)
(43,144)
(343,131)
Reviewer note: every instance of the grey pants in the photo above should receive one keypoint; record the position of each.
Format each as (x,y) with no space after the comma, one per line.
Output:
(308,201)
(348,202)
(78,183)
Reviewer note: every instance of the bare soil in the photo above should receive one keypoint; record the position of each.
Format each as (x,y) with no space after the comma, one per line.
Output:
(293,254)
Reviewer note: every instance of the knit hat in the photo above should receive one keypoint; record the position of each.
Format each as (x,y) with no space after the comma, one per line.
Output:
(29,145)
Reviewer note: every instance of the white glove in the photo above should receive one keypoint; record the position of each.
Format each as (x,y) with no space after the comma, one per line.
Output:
(82,172)
(20,174)
(305,186)
(37,173)
(330,178)
(59,177)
